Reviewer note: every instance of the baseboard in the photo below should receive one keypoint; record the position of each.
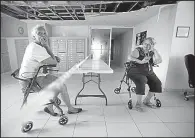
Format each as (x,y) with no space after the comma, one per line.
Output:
(178,90)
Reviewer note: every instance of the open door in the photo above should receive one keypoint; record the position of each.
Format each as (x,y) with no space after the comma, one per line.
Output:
(100,45)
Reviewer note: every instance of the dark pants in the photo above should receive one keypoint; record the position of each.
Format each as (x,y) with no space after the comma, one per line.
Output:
(141,80)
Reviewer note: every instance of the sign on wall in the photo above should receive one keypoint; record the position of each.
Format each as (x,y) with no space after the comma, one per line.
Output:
(140,37)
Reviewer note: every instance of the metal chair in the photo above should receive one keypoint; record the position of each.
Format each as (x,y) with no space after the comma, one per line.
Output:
(130,89)
(32,82)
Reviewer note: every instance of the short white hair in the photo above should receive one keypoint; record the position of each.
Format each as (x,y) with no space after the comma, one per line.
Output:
(151,39)
(35,30)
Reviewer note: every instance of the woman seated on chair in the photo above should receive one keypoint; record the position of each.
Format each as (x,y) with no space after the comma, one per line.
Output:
(141,72)
(36,54)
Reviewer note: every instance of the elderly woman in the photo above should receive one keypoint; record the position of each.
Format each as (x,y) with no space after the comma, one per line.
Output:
(141,72)
(36,54)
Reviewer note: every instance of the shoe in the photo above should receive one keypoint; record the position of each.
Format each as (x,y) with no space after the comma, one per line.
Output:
(139,108)
(149,104)
(49,112)
(79,110)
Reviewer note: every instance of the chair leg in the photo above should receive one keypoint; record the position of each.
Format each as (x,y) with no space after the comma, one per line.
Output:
(187,95)
(57,106)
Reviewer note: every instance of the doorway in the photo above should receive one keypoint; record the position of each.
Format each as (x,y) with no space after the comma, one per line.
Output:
(121,45)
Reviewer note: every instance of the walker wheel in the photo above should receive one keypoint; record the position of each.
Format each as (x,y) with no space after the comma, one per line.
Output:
(58,101)
(133,89)
(158,103)
(186,98)
(185,93)
(63,120)
(130,104)
(117,90)
(27,126)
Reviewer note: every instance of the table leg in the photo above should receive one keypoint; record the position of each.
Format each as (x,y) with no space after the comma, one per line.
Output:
(83,80)
(99,80)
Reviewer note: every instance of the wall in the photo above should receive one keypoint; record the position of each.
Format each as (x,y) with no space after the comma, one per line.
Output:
(177,77)
(122,44)
(117,51)
(162,30)
(49,29)
(5,60)
(126,45)
(70,31)
(9,27)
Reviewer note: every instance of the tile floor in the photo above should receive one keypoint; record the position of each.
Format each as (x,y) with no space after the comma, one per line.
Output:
(174,119)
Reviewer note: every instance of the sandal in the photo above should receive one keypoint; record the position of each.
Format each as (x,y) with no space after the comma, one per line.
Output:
(139,108)
(149,104)
(78,110)
(49,112)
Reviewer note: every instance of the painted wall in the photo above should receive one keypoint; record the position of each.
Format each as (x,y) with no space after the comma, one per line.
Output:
(49,29)
(177,77)
(162,30)
(122,44)
(116,52)
(70,31)
(10,25)
(126,46)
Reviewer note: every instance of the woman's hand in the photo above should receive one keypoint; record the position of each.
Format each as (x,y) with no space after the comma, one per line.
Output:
(157,57)
(145,60)
(57,58)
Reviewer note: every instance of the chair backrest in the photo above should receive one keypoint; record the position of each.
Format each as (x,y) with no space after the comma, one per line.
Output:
(190,65)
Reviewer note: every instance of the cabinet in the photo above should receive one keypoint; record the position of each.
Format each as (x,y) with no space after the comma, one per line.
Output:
(5,60)
(69,50)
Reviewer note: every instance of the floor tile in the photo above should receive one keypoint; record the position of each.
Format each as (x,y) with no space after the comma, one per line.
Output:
(122,130)
(90,129)
(117,114)
(181,129)
(154,130)
(146,116)
(12,128)
(54,129)
(175,114)
(91,113)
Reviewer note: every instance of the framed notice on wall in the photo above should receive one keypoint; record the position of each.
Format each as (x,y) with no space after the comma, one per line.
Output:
(140,37)
(182,31)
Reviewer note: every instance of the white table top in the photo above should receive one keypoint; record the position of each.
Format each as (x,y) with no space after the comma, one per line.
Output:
(94,66)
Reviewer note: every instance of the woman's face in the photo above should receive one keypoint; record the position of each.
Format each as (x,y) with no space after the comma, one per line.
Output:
(41,36)
(147,45)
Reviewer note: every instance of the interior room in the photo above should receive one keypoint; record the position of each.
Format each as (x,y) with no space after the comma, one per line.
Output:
(90,49)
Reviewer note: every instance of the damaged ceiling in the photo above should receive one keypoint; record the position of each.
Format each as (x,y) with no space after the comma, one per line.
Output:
(71,10)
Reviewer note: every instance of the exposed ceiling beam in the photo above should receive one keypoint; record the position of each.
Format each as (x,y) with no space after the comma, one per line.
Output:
(40,12)
(76,14)
(54,13)
(57,16)
(60,3)
(28,13)
(100,7)
(83,8)
(116,6)
(74,11)
(37,10)
(69,12)
(105,7)
(10,12)
(133,6)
